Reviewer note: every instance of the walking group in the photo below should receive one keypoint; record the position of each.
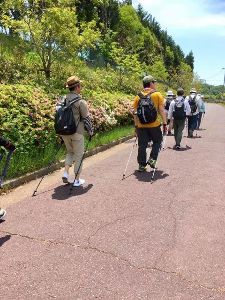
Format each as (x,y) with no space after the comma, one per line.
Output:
(154,118)
(151,110)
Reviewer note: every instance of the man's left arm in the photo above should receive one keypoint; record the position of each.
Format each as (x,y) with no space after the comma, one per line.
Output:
(135,105)
(161,109)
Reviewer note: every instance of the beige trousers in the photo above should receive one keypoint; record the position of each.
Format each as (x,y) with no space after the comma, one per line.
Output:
(75,150)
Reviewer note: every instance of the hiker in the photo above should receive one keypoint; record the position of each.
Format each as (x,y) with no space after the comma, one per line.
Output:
(169,97)
(10,147)
(147,106)
(75,142)
(178,111)
(194,102)
(201,111)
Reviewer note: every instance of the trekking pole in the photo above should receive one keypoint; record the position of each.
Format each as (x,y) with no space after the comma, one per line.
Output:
(153,173)
(164,142)
(132,149)
(6,166)
(71,186)
(57,151)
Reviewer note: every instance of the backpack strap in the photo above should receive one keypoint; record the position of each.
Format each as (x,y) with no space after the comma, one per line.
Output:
(140,95)
(72,101)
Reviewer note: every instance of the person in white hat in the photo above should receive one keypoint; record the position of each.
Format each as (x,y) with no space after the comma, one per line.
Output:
(169,97)
(195,105)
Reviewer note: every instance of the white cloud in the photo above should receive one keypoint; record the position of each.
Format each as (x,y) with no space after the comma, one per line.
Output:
(177,14)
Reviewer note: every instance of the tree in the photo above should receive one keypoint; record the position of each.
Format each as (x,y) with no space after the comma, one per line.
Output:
(51,28)
(189,59)
(130,32)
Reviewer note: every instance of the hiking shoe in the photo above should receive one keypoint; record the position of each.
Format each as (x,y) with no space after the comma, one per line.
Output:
(2,213)
(78,182)
(152,163)
(65,177)
(141,168)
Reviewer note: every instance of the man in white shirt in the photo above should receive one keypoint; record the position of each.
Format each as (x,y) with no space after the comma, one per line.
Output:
(179,109)
(194,102)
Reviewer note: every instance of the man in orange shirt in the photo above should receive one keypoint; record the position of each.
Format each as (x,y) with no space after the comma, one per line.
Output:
(148,107)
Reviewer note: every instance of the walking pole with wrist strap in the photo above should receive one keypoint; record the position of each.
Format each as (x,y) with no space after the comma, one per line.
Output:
(129,157)
(57,151)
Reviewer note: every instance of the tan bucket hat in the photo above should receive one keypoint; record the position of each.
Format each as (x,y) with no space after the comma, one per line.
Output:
(72,81)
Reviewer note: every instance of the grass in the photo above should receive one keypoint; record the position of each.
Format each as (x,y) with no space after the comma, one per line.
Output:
(23,163)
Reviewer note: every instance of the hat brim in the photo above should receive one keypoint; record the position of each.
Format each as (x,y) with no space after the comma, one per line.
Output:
(154,81)
(72,85)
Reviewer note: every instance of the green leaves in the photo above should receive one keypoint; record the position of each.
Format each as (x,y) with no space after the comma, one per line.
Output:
(51,28)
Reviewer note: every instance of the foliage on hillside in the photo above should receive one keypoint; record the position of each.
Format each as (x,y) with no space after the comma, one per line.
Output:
(103,33)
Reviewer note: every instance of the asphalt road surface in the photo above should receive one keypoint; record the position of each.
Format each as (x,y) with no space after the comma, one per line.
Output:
(123,239)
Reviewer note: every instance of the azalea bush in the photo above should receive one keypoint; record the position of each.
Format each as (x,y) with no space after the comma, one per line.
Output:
(27,115)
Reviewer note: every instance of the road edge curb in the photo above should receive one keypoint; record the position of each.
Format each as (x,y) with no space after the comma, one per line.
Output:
(16,182)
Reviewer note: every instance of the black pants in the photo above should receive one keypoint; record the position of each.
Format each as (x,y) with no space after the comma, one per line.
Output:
(178,130)
(192,122)
(145,135)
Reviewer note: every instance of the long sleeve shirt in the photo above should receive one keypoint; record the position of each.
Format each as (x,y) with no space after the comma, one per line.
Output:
(198,101)
(179,101)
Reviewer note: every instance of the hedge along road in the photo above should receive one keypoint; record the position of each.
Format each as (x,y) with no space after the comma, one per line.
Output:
(123,239)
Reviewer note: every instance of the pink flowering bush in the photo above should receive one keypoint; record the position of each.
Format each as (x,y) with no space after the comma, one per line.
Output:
(27,114)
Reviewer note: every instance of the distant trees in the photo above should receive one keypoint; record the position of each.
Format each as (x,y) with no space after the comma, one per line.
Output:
(96,31)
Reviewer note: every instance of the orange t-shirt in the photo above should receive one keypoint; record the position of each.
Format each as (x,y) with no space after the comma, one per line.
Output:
(157,100)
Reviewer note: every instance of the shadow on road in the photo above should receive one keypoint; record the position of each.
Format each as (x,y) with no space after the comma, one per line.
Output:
(146,176)
(194,137)
(4,239)
(181,149)
(63,193)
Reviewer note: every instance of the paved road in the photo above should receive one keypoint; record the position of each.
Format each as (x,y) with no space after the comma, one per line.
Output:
(127,239)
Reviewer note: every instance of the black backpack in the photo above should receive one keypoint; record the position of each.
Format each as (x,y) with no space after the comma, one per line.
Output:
(146,111)
(167,106)
(64,118)
(179,112)
(192,104)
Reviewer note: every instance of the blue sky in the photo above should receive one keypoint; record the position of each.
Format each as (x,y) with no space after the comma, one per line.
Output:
(197,25)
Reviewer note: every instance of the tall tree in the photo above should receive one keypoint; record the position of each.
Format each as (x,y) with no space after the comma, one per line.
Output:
(190,60)
(53,31)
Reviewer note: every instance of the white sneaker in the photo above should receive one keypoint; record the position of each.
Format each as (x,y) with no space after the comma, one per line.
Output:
(65,177)
(79,182)
(2,213)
